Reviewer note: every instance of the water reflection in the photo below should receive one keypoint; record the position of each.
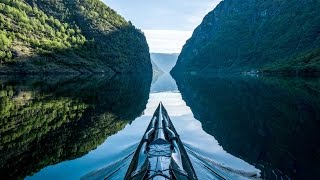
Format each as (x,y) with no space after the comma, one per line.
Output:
(272,123)
(47,120)
(89,126)
(203,148)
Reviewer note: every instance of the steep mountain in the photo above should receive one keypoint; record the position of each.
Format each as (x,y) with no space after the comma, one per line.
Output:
(74,36)
(280,36)
(164,61)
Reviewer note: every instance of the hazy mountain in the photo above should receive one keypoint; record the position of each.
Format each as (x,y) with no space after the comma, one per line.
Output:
(156,71)
(164,61)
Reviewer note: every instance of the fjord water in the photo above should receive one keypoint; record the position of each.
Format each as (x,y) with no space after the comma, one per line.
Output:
(49,120)
(89,127)
(270,122)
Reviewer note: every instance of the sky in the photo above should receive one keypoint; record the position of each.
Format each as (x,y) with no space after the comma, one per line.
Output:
(167,24)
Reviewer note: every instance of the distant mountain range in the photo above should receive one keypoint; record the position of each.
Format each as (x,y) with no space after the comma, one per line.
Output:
(269,36)
(165,62)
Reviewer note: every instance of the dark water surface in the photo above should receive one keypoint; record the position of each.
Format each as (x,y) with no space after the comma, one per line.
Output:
(270,122)
(88,127)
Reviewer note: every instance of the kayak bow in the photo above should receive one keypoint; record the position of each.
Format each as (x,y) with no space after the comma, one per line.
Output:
(160,154)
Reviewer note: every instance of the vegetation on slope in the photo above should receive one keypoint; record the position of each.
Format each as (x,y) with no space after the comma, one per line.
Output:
(268,35)
(68,36)
(307,63)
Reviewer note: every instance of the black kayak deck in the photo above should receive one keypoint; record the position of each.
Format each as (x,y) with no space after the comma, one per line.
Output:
(160,154)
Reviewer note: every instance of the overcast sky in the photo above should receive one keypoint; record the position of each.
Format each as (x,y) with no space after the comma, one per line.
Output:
(167,23)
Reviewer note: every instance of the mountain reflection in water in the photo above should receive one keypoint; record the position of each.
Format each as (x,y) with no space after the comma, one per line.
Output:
(205,152)
(270,122)
(240,127)
(48,120)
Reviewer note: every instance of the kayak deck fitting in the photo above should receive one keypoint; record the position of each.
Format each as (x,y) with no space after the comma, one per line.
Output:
(160,154)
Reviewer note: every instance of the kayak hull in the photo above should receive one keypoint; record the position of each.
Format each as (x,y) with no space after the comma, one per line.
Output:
(160,154)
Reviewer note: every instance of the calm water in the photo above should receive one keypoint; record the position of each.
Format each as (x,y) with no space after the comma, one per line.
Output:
(88,127)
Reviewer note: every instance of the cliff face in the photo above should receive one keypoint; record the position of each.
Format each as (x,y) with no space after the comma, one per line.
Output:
(245,35)
(76,36)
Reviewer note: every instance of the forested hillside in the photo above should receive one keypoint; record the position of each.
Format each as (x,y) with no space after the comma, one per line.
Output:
(278,36)
(76,36)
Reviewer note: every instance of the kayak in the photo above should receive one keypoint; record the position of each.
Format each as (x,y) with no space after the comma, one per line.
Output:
(160,154)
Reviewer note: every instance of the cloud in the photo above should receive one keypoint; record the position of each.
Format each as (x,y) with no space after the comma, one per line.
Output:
(167,23)
(164,14)
(166,41)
